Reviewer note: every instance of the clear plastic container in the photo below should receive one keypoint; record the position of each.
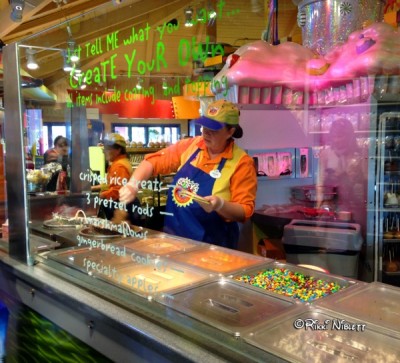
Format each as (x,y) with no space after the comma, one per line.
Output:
(317,335)
(162,245)
(292,281)
(157,276)
(227,306)
(141,274)
(220,260)
(375,303)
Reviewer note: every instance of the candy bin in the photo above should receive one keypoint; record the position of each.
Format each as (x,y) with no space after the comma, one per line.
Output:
(293,282)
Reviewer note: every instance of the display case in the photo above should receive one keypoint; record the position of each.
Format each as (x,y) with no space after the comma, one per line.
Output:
(161,244)
(374,303)
(136,154)
(275,163)
(141,274)
(293,282)
(219,260)
(318,335)
(388,205)
(226,305)
(156,198)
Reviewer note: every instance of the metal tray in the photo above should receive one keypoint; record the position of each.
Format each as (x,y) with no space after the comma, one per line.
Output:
(63,223)
(227,306)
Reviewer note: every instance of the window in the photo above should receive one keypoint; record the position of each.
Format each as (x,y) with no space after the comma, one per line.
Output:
(50,131)
(148,133)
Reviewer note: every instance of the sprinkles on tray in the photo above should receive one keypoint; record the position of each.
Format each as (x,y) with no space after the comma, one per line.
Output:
(289,283)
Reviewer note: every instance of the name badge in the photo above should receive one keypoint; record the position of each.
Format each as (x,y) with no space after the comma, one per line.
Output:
(215,173)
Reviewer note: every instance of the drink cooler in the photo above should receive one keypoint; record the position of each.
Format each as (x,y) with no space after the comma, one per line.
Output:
(330,245)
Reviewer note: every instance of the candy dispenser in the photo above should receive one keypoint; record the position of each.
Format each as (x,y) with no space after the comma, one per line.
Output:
(326,24)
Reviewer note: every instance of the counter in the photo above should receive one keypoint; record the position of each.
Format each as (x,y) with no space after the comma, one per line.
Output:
(218,313)
(121,325)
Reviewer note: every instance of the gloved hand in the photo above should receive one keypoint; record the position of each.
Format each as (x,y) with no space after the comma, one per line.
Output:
(215,203)
(127,193)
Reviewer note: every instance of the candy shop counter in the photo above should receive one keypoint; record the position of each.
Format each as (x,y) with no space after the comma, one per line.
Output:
(122,325)
(165,298)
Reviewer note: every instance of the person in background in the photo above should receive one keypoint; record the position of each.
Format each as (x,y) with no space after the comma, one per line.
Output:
(59,151)
(343,165)
(215,182)
(119,172)
(59,154)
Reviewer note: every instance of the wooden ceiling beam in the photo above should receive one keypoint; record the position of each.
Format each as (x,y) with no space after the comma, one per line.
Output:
(31,9)
(139,20)
(51,18)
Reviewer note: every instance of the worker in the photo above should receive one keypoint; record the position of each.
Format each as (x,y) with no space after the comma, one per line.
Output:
(56,161)
(118,173)
(215,183)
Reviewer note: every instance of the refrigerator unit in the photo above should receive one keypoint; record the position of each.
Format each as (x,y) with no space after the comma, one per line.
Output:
(386,206)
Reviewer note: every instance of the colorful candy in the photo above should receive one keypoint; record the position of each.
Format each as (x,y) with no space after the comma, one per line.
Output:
(290,283)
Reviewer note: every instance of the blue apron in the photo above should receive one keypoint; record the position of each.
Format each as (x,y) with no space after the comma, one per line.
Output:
(191,220)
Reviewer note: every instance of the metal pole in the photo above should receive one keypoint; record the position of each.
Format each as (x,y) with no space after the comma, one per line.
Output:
(19,246)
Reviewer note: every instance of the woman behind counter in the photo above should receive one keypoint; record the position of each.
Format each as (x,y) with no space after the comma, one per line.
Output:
(211,166)
(119,169)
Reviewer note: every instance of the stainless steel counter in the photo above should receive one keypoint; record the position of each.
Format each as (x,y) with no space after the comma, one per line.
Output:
(120,325)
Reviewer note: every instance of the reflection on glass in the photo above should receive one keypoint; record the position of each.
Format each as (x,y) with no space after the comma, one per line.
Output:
(343,167)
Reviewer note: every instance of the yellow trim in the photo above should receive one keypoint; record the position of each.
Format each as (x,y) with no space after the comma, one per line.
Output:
(188,152)
(222,184)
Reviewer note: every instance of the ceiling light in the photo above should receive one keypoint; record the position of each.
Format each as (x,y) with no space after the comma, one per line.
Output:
(73,53)
(77,67)
(67,62)
(60,2)
(211,12)
(139,83)
(200,15)
(189,17)
(17,10)
(30,59)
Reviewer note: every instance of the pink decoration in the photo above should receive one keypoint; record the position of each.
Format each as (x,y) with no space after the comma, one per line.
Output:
(261,70)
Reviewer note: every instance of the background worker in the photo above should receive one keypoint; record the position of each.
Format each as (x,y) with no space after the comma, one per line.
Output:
(119,172)
(58,154)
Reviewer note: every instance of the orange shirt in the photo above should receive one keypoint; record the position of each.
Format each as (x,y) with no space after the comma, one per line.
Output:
(241,186)
(118,173)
